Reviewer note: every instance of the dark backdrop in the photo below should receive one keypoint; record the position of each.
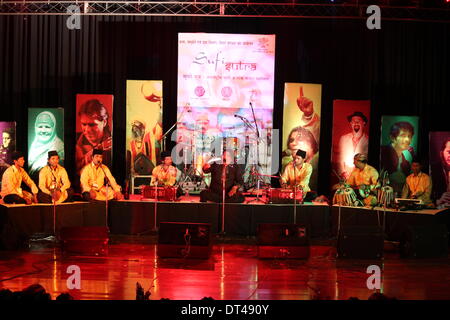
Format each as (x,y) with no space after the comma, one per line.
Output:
(402,68)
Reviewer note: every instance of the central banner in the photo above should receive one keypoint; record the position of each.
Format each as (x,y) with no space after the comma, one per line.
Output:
(225,99)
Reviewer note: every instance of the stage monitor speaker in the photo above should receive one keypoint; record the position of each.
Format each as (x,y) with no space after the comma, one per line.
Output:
(283,241)
(85,240)
(428,241)
(360,242)
(184,240)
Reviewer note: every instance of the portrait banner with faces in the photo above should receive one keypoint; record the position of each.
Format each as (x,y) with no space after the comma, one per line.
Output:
(350,136)
(8,134)
(45,133)
(301,124)
(398,147)
(144,126)
(440,162)
(94,124)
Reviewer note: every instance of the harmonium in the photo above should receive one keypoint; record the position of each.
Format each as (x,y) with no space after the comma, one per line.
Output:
(160,193)
(278,195)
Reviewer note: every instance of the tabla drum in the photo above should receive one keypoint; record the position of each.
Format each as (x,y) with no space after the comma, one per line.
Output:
(345,197)
(386,196)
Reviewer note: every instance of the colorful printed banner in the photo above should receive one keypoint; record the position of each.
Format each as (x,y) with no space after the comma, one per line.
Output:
(301,124)
(221,77)
(440,162)
(8,145)
(93,128)
(398,148)
(144,125)
(350,135)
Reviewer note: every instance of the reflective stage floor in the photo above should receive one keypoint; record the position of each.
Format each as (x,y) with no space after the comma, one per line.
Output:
(232,272)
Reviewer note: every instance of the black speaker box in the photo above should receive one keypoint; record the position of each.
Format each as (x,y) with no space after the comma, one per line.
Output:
(282,240)
(184,240)
(360,242)
(85,240)
(428,241)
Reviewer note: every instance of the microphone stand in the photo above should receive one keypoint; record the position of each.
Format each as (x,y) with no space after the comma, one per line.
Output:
(107,195)
(54,202)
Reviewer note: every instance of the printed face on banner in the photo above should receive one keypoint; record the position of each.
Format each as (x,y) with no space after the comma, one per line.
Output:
(45,133)
(440,162)
(301,124)
(398,148)
(94,128)
(144,125)
(350,135)
(221,78)
(8,145)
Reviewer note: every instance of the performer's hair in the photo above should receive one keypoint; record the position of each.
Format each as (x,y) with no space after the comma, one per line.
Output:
(165,154)
(402,125)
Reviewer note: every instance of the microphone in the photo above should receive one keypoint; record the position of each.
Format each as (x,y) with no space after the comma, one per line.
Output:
(250,103)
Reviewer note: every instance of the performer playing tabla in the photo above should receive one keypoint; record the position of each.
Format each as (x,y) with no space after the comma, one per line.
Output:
(365,178)
(297,172)
(54,183)
(93,180)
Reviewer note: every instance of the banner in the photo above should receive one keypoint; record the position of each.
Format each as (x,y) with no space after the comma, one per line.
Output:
(398,148)
(8,134)
(350,135)
(301,124)
(440,162)
(225,96)
(144,126)
(45,133)
(93,128)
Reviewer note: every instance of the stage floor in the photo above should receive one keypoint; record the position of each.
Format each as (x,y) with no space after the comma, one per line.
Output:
(232,272)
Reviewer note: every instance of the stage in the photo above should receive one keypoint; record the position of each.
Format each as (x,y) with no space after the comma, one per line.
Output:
(137,217)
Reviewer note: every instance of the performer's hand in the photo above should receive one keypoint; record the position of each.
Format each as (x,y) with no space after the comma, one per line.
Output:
(232,191)
(206,166)
(302,101)
(118,195)
(93,194)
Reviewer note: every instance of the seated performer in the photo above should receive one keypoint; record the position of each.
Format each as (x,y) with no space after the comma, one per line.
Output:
(165,174)
(297,173)
(93,180)
(418,184)
(233,181)
(365,178)
(54,183)
(12,180)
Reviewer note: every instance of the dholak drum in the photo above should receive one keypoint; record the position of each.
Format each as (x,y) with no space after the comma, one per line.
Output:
(277,195)
(386,196)
(163,193)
